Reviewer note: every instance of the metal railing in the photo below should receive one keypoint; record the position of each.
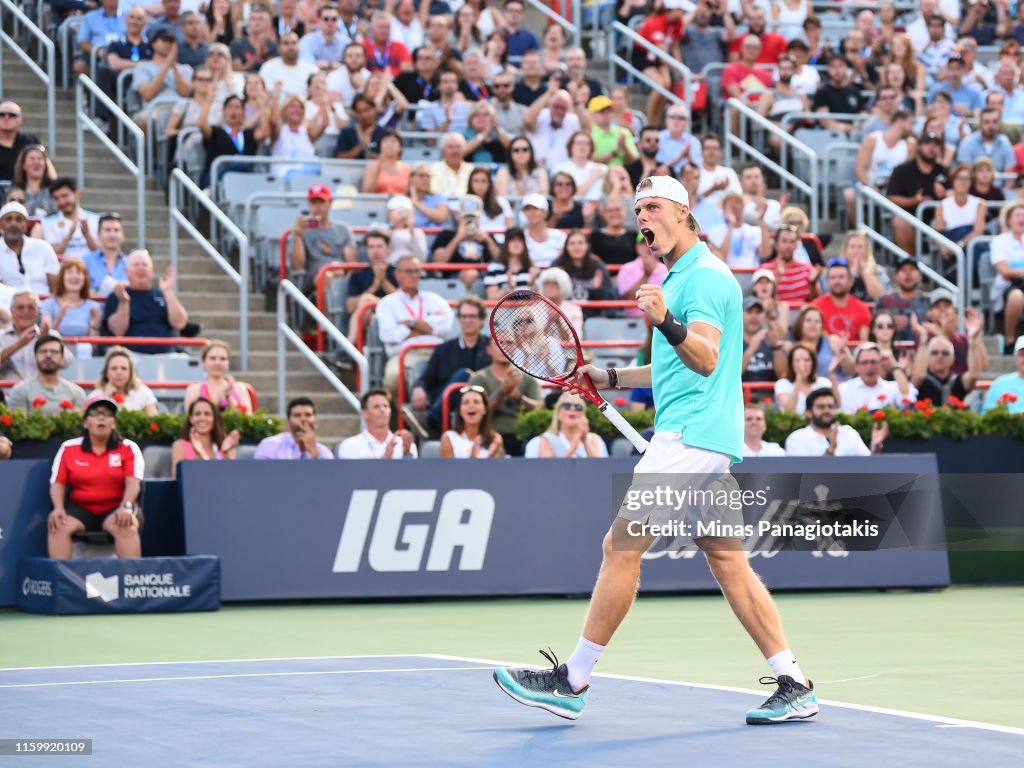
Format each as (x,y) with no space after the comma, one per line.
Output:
(869,201)
(676,66)
(137,168)
(747,118)
(572,28)
(177,211)
(287,289)
(48,76)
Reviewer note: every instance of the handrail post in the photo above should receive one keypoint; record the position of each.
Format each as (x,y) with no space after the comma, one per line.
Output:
(243,302)
(172,226)
(79,134)
(816,197)
(281,372)
(51,97)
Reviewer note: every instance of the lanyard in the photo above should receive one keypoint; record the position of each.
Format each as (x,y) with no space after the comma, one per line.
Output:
(424,86)
(373,452)
(419,314)
(381,60)
(478,91)
(350,30)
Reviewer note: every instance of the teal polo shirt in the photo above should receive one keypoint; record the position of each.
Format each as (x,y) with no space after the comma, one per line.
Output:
(707,410)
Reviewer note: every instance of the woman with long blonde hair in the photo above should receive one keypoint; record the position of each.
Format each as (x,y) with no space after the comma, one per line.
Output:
(869,279)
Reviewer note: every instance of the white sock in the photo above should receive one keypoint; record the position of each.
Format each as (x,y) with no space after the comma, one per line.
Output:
(582,662)
(784,663)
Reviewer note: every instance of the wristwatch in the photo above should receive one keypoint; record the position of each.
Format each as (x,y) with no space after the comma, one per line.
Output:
(130,506)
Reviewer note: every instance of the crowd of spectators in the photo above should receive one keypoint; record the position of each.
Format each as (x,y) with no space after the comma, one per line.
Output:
(532,188)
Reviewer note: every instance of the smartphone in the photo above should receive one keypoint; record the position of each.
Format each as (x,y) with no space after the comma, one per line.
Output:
(312,223)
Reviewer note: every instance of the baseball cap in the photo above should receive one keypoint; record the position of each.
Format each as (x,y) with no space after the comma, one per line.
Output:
(98,400)
(319,192)
(752,301)
(930,136)
(759,273)
(903,262)
(1018,345)
(668,188)
(14,207)
(599,103)
(399,202)
(536,200)
(940,294)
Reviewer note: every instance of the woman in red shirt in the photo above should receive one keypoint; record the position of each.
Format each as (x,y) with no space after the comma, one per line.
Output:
(95,485)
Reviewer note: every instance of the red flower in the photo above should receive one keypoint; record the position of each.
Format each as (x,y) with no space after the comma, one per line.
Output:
(6,419)
(927,411)
(881,398)
(118,398)
(245,409)
(907,401)
(862,409)
(154,427)
(66,404)
(39,402)
(1011,398)
(955,402)
(767,401)
(620,402)
(878,416)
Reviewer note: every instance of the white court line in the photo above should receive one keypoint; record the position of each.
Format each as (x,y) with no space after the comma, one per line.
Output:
(240,675)
(946,721)
(847,679)
(222,661)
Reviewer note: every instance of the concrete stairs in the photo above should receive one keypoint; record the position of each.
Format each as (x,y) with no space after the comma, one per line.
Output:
(209,295)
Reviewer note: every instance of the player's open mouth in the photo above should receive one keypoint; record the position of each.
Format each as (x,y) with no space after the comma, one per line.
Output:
(648,235)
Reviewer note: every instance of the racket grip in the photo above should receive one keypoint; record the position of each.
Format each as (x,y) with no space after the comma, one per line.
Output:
(624,427)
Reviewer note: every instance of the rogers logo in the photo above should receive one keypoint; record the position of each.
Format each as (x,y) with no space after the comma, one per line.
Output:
(39,587)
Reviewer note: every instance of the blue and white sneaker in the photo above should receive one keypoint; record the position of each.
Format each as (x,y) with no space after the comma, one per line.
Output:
(791,701)
(548,689)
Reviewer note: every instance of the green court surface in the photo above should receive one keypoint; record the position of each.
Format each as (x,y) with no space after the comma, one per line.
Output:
(957,653)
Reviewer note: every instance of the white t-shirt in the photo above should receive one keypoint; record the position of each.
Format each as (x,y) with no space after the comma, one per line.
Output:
(366,446)
(808,442)
(785,386)
(37,261)
(340,82)
(137,399)
(582,175)
(543,253)
(1004,249)
(855,394)
(550,145)
(55,229)
(744,246)
(769,450)
(709,179)
(295,78)
(462,446)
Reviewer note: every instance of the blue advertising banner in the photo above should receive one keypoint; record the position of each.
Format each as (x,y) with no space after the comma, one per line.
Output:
(111,585)
(434,527)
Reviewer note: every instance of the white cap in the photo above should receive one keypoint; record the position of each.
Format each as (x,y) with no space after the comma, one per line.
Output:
(759,273)
(399,202)
(668,188)
(535,200)
(1018,345)
(13,207)
(675,5)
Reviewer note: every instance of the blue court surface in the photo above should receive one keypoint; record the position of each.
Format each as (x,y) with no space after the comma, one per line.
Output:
(433,710)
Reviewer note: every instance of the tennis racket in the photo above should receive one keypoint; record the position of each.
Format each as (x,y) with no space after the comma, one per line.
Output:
(538,339)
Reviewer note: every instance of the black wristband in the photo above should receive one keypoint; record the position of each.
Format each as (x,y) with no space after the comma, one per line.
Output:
(613,378)
(673,329)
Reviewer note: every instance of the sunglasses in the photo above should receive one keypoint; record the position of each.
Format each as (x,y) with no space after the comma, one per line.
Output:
(884,325)
(940,352)
(11,115)
(579,407)
(520,149)
(838,262)
(473,388)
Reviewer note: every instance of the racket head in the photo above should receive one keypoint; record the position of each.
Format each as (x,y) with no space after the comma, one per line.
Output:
(538,339)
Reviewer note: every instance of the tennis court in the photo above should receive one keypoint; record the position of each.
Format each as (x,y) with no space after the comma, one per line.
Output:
(396,684)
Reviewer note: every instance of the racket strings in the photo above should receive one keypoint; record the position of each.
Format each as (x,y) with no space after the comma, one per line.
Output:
(534,336)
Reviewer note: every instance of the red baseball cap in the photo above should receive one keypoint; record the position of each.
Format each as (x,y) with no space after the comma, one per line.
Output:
(319,192)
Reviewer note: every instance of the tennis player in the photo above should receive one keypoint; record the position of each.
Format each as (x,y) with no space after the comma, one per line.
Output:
(695,374)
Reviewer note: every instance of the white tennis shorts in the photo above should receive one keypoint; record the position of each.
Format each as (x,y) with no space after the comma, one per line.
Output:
(668,455)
